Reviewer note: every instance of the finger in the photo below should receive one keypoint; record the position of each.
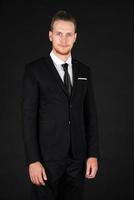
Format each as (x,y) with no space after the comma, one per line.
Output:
(35,179)
(92,174)
(31,178)
(40,178)
(37,182)
(44,174)
(88,170)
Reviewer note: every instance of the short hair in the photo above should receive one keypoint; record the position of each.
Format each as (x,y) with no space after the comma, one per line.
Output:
(63,15)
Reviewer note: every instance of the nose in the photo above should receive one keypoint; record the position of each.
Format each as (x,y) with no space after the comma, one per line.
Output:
(63,38)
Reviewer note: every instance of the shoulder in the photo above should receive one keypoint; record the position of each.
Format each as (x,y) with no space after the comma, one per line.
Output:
(33,68)
(35,64)
(82,65)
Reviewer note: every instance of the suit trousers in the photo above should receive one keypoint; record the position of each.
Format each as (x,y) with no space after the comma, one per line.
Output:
(65,180)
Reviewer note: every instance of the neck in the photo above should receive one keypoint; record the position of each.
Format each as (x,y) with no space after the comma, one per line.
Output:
(62,56)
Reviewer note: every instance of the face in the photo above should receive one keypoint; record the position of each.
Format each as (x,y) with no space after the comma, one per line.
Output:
(62,37)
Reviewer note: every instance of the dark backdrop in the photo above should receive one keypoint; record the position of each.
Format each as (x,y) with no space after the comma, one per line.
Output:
(106,43)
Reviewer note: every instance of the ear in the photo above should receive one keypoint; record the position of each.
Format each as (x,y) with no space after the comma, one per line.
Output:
(50,36)
(75,37)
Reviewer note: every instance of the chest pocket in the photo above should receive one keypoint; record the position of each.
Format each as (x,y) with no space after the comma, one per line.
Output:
(81,88)
(82,82)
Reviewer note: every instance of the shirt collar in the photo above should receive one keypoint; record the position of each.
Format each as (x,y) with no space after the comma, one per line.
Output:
(58,61)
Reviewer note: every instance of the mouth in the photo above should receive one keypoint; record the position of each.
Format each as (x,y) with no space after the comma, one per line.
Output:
(63,46)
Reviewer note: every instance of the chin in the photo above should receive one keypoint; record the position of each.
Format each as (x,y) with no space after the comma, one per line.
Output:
(62,52)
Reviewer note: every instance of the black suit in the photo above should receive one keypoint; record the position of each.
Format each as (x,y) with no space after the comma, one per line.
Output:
(55,124)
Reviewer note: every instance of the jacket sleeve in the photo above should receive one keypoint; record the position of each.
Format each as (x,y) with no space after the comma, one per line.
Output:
(30,100)
(91,125)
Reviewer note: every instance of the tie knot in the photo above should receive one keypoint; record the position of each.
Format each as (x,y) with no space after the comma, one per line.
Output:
(65,66)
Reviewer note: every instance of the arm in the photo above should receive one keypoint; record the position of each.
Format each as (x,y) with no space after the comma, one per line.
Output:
(91,125)
(91,130)
(30,100)
(30,95)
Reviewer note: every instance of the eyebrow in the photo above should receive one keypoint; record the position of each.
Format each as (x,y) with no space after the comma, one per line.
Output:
(62,32)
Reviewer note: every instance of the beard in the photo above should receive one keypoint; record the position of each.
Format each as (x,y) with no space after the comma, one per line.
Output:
(62,51)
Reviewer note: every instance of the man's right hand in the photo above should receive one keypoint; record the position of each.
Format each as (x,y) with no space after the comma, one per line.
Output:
(37,173)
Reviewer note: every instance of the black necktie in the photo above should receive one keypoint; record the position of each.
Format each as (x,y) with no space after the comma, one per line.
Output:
(67,80)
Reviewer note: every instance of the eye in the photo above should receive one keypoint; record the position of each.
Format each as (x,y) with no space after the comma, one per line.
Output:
(58,33)
(69,34)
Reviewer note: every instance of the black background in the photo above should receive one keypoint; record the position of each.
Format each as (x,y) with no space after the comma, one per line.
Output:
(106,43)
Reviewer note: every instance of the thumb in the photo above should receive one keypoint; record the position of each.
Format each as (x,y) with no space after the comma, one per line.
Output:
(44,174)
(88,169)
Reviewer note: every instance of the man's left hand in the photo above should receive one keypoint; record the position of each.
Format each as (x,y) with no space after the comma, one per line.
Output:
(91,167)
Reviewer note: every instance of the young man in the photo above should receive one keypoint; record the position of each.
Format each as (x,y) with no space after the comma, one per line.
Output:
(59,118)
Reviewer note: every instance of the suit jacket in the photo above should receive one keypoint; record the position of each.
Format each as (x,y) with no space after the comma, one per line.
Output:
(52,121)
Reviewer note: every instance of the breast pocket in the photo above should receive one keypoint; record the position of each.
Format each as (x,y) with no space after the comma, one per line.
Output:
(81,89)
(82,84)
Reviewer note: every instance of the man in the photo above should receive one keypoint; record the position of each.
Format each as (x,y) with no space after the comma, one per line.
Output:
(59,118)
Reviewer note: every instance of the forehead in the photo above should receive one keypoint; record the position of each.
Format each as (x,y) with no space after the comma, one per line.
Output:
(65,26)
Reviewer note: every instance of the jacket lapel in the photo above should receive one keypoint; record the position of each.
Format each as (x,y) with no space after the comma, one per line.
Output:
(57,77)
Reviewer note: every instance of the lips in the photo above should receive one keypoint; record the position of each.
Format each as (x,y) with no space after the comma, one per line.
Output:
(63,46)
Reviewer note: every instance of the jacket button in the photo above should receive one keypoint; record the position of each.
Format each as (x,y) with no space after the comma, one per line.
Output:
(70,105)
(69,122)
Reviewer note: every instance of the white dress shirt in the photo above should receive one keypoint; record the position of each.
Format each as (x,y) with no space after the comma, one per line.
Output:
(58,62)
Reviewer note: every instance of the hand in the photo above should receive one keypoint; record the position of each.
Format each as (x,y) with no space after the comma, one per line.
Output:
(91,167)
(37,173)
